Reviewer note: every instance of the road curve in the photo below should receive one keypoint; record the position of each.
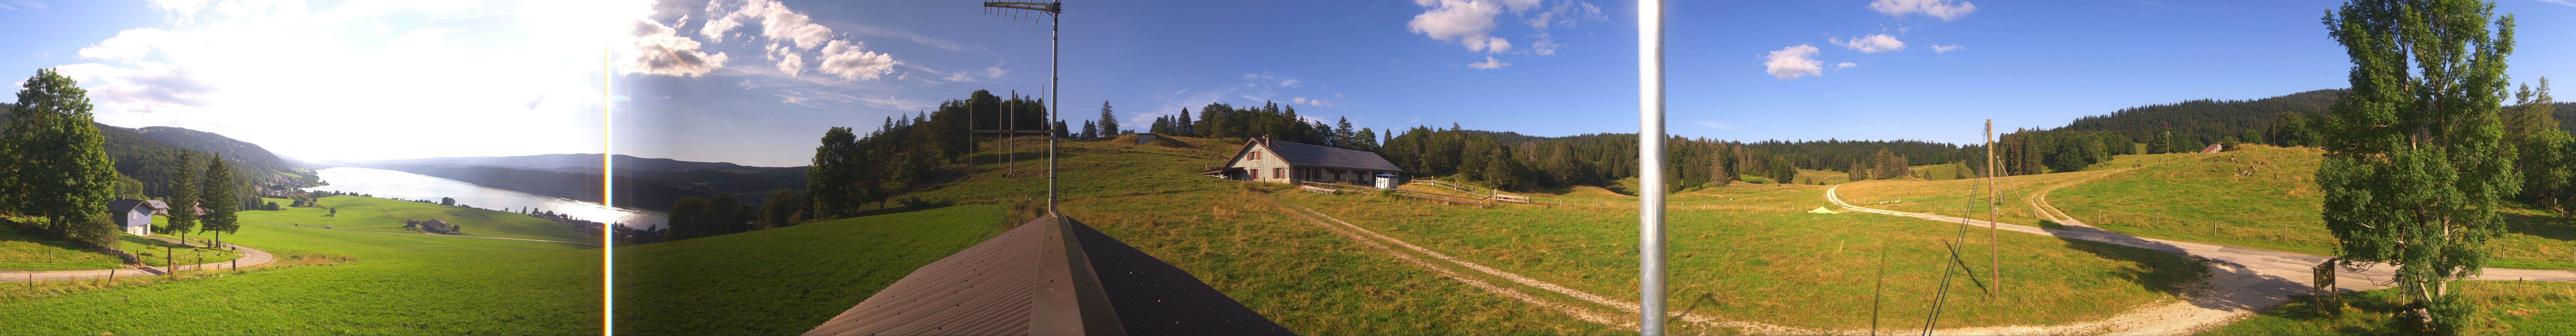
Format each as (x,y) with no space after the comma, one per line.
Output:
(2242,281)
(250,257)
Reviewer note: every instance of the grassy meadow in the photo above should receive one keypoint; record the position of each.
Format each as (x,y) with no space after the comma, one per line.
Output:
(379,214)
(1308,279)
(2504,308)
(31,251)
(1751,253)
(335,282)
(734,285)
(2266,197)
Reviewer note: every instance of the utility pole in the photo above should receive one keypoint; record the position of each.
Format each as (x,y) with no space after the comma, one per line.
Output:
(1650,167)
(1992,198)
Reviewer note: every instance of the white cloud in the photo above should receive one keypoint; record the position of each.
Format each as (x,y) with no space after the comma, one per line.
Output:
(1934,8)
(1945,48)
(1844,65)
(1793,62)
(1876,43)
(788,60)
(2562,2)
(1311,102)
(1466,22)
(1722,126)
(776,23)
(333,72)
(1545,46)
(849,61)
(1489,64)
(128,45)
(659,50)
(1291,82)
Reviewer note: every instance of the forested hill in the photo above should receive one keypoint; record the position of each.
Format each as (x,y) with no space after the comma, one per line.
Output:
(2209,121)
(247,154)
(2206,120)
(146,164)
(631,191)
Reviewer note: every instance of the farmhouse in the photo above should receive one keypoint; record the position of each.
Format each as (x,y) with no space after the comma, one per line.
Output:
(439,226)
(159,208)
(132,215)
(1289,162)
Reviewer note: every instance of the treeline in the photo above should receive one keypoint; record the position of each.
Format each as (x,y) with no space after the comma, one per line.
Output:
(2205,121)
(1511,160)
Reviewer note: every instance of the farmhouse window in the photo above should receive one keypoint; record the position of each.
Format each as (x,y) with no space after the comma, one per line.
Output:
(1256,156)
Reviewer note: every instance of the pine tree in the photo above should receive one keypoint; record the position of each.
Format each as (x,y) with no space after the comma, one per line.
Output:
(2540,147)
(1108,121)
(1089,130)
(1186,127)
(183,197)
(2415,164)
(1343,135)
(222,197)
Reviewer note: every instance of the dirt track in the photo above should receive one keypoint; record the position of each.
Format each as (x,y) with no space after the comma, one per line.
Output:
(2242,280)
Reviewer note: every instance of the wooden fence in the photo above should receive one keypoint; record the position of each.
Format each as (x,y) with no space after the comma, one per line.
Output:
(1478,200)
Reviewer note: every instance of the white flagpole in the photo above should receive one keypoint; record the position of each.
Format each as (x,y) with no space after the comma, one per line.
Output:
(1650,167)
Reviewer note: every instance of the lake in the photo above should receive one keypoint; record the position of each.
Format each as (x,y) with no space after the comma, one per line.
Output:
(408,186)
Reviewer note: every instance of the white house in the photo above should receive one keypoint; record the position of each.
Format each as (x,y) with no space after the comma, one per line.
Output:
(1289,162)
(134,216)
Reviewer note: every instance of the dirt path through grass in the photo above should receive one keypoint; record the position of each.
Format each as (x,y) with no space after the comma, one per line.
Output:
(250,257)
(2242,280)
(1626,320)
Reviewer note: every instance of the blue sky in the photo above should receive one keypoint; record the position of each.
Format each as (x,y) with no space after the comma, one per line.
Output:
(1739,70)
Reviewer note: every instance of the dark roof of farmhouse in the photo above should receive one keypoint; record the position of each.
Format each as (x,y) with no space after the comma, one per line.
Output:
(124,205)
(1024,282)
(1299,154)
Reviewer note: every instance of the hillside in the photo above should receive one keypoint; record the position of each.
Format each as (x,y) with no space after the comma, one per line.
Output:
(251,155)
(1149,197)
(331,281)
(2266,197)
(378,214)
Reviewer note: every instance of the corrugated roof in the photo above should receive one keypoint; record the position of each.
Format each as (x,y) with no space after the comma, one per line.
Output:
(990,289)
(1299,154)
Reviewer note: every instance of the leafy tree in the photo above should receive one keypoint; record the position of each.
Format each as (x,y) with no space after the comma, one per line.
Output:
(690,219)
(783,208)
(1108,121)
(2415,160)
(222,197)
(447,201)
(56,163)
(833,177)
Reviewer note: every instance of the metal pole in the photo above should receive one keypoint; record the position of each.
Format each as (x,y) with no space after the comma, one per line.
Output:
(1055,48)
(1650,167)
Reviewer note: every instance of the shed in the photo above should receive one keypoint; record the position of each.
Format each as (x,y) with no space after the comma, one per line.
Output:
(1024,282)
(435,225)
(1264,160)
(131,215)
(1144,138)
(158,207)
